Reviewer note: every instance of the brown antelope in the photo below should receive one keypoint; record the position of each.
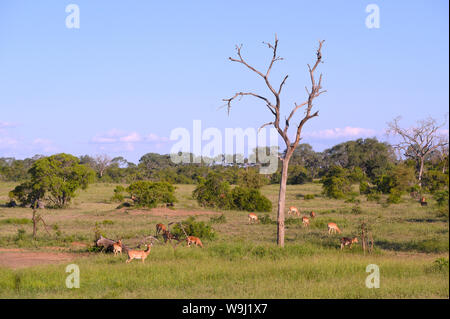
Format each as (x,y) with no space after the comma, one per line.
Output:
(160,228)
(345,241)
(423,201)
(139,254)
(195,240)
(168,236)
(252,217)
(312,214)
(293,210)
(332,227)
(305,221)
(133,198)
(117,247)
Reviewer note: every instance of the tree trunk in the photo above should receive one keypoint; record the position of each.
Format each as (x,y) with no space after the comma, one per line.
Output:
(282,202)
(34,224)
(421,171)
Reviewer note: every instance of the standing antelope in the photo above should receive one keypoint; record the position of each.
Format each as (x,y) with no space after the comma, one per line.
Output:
(305,221)
(160,228)
(332,227)
(312,214)
(117,247)
(293,210)
(195,240)
(139,254)
(345,241)
(252,217)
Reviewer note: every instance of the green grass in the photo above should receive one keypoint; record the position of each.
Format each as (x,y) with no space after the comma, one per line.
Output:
(243,260)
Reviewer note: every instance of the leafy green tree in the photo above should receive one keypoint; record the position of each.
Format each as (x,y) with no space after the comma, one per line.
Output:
(251,178)
(55,178)
(373,157)
(213,192)
(336,182)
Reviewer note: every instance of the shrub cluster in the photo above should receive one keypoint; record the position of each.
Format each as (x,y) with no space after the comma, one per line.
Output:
(216,193)
(150,194)
(194,228)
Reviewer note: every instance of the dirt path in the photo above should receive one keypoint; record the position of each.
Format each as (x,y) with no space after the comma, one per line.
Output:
(16,258)
(170,212)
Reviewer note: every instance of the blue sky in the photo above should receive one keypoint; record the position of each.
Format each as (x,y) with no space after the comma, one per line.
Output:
(135,70)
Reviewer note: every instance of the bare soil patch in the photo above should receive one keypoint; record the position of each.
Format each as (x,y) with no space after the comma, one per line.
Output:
(170,212)
(16,259)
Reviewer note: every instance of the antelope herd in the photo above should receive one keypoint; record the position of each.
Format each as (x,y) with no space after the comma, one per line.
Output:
(332,227)
(118,246)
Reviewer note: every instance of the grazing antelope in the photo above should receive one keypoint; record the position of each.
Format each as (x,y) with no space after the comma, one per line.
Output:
(423,201)
(252,217)
(160,228)
(293,210)
(345,241)
(195,240)
(332,227)
(312,214)
(117,247)
(305,221)
(167,235)
(139,254)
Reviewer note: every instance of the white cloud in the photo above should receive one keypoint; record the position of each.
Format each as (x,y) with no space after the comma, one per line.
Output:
(118,140)
(44,145)
(346,132)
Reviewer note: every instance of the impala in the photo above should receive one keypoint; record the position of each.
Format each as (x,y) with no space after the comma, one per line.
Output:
(195,240)
(345,241)
(160,228)
(312,214)
(252,217)
(305,221)
(168,236)
(293,210)
(139,254)
(332,227)
(117,247)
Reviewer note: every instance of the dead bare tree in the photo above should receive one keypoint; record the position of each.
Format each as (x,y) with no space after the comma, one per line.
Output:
(102,162)
(419,141)
(275,109)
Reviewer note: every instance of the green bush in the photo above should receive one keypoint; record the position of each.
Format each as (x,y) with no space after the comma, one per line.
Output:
(194,228)
(395,196)
(213,192)
(434,180)
(150,194)
(266,220)
(250,200)
(336,183)
(441,198)
(118,194)
(308,196)
(250,178)
(441,265)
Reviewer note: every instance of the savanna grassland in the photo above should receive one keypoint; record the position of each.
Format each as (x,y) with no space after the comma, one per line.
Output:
(243,261)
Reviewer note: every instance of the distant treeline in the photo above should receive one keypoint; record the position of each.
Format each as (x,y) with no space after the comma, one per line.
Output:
(369,157)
